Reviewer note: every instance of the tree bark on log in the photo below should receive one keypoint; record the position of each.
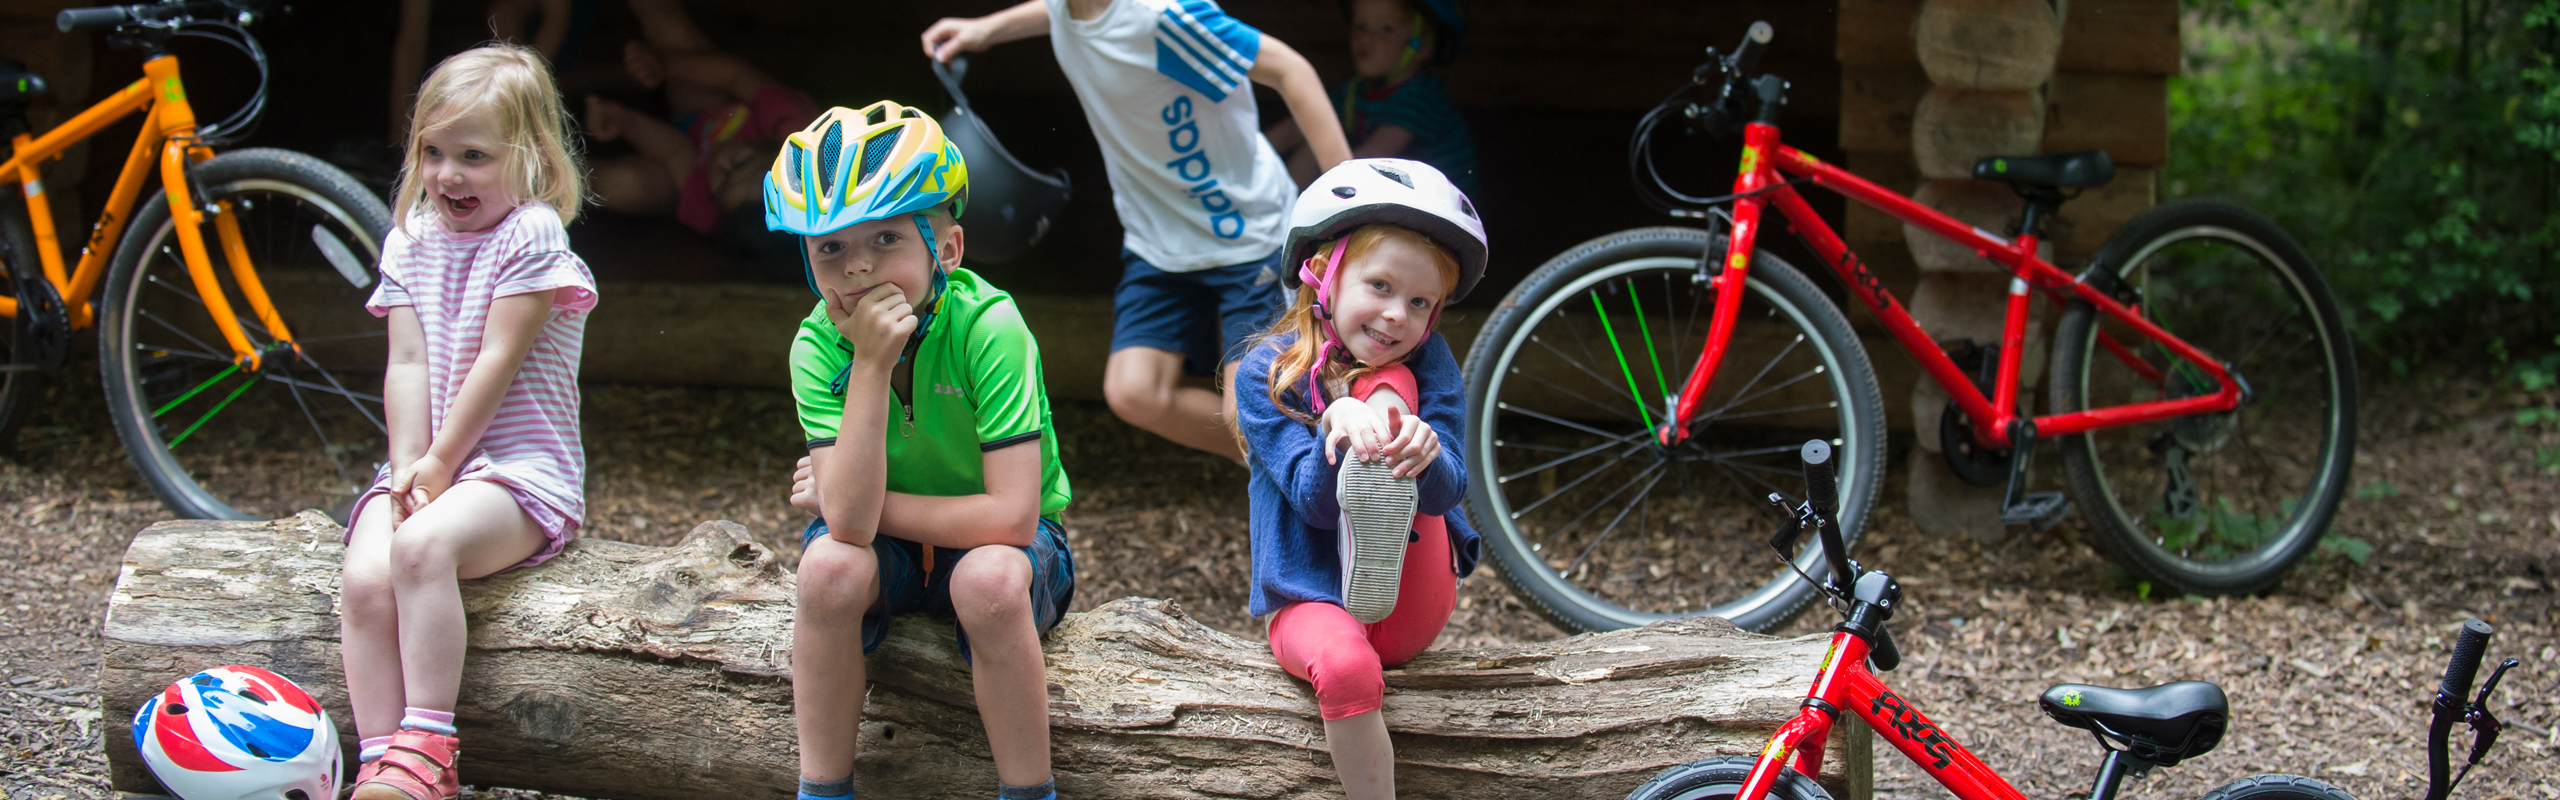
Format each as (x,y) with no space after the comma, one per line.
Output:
(1987,44)
(624,671)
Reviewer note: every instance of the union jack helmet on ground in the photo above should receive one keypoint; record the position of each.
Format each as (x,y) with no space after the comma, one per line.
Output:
(239,733)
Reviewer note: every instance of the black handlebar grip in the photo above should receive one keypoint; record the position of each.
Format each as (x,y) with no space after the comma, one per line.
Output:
(92,19)
(1747,55)
(1881,652)
(1820,487)
(2467,650)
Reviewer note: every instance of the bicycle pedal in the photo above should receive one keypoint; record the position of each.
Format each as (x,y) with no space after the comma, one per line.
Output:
(2037,511)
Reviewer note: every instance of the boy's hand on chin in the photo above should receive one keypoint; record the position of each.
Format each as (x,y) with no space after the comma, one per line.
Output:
(877,323)
(804,487)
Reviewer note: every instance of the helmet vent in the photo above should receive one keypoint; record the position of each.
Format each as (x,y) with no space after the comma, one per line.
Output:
(910,114)
(1470,208)
(830,153)
(876,151)
(1394,174)
(875,115)
(799,161)
(1344,192)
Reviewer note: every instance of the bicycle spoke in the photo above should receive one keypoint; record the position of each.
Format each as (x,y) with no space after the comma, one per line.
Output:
(1558,420)
(1645,330)
(1613,522)
(340,337)
(1614,411)
(334,389)
(1771,487)
(1577,363)
(217,378)
(1817,370)
(1755,381)
(1621,353)
(326,447)
(1560,490)
(1776,411)
(199,343)
(1604,501)
(208,416)
(179,351)
(1576,454)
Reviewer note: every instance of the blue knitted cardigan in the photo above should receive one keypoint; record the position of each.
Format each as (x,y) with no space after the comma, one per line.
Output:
(1296,557)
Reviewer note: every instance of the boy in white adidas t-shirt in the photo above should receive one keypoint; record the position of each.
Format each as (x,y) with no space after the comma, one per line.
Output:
(1202,196)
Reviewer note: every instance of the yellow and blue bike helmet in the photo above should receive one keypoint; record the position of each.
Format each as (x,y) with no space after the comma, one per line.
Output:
(851,167)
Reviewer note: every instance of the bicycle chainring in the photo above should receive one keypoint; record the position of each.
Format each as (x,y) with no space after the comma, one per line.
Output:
(43,323)
(1972,463)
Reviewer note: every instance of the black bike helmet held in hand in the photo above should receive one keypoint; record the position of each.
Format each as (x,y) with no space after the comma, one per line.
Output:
(1010,205)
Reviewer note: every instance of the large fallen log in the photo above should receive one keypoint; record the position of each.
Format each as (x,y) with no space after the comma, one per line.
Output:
(623,671)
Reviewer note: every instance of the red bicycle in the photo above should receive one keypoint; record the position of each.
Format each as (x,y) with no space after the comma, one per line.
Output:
(2139,728)
(2202,389)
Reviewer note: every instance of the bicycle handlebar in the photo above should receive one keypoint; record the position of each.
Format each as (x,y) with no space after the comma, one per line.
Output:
(1746,55)
(1822,492)
(101,18)
(2467,650)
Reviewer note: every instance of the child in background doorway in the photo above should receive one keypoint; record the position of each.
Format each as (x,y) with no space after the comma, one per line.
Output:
(1396,106)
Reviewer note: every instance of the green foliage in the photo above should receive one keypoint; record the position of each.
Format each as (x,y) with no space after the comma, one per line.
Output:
(2412,145)
(2356,550)
(2377,488)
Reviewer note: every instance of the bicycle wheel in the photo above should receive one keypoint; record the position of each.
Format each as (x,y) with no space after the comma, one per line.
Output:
(2224,503)
(1599,527)
(22,363)
(1720,778)
(302,430)
(2277,787)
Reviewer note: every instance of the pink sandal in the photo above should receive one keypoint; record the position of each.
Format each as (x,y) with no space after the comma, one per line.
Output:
(417,766)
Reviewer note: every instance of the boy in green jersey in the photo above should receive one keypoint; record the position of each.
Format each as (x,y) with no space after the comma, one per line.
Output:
(932,466)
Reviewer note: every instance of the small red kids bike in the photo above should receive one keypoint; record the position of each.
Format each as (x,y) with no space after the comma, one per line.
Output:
(1634,398)
(2138,728)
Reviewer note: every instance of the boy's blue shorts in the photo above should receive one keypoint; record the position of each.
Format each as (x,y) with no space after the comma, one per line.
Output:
(905,586)
(1205,314)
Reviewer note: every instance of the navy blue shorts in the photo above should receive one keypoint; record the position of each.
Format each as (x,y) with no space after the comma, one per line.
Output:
(1205,315)
(905,586)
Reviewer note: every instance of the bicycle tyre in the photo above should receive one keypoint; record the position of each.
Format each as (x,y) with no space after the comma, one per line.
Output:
(20,388)
(2277,787)
(2266,503)
(1782,302)
(1720,778)
(156,342)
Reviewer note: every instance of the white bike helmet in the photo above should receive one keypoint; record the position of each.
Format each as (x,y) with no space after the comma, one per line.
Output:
(1393,191)
(238,733)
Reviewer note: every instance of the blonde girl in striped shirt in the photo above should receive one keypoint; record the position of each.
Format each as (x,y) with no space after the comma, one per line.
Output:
(487,308)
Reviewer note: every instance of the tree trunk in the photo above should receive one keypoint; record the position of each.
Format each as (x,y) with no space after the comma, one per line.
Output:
(623,671)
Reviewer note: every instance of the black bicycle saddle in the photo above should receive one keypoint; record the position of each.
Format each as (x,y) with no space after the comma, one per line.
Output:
(2164,724)
(2082,169)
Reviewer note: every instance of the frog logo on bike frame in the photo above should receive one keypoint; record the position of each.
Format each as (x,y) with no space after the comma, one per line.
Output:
(2071,697)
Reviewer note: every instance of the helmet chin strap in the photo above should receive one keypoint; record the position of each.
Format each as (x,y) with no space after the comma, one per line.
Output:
(1323,281)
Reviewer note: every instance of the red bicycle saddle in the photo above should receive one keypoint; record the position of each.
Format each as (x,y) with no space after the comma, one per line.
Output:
(2164,724)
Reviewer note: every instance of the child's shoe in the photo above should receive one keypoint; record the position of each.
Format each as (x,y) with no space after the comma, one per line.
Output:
(418,766)
(1377,523)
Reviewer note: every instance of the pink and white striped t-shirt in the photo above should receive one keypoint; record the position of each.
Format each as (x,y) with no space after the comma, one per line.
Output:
(532,445)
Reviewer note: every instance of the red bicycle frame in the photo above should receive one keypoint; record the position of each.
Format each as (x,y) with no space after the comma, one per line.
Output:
(1844,683)
(1760,184)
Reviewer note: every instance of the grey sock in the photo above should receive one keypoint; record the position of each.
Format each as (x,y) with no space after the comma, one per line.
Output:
(841,787)
(1043,790)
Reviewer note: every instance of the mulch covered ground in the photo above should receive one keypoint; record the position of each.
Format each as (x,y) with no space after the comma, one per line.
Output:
(2328,675)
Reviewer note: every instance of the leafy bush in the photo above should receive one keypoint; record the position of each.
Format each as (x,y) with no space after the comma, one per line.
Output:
(2412,145)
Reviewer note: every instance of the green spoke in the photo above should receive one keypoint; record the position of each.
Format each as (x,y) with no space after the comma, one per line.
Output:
(1647,332)
(217,378)
(1623,370)
(217,409)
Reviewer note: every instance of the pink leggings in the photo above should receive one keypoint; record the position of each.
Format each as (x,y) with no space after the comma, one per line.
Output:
(1322,643)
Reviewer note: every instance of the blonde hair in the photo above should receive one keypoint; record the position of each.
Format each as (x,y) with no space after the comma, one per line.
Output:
(513,82)
(1289,368)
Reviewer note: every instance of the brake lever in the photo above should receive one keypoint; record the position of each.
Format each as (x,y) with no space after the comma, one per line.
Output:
(1799,518)
(2485,726)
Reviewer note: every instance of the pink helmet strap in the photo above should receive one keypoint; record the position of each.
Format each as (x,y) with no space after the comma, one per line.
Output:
(1323,281)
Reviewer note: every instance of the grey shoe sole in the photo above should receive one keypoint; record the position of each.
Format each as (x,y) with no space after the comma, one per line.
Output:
(1377,523)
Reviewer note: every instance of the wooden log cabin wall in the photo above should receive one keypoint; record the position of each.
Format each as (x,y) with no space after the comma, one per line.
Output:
(1928,87)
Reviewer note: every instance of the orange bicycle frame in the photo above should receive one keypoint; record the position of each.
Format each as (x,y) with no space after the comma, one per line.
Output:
(167,140)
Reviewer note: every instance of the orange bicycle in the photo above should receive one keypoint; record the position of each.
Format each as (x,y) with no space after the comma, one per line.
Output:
(232,337)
